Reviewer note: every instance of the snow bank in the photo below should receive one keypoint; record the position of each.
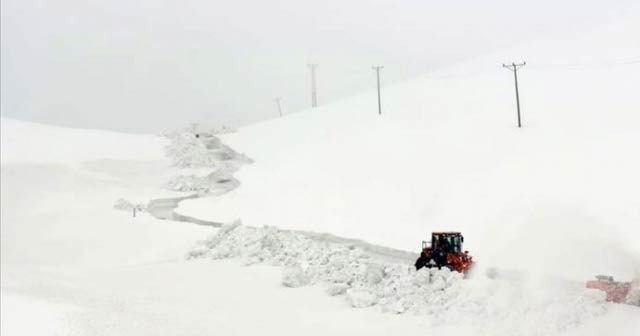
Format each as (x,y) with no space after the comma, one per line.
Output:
(499,306)
(192,149)
(190,183)
(216,182)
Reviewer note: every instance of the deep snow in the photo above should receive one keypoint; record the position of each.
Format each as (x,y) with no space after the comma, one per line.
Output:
(557,197)
(501,306)
(72,264)
(549,205)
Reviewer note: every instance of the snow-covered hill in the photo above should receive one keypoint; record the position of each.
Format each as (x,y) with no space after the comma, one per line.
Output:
(72,264)
(554,201)
(558,196)
(38,143)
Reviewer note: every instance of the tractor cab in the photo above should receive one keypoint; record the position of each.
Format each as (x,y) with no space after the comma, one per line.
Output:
(444,250)
(446,241)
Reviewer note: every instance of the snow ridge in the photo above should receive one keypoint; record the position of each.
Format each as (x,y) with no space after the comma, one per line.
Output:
(190,149)
(502,307)
(198,149)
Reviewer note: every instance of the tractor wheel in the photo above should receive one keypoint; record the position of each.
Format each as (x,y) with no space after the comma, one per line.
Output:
(421,262)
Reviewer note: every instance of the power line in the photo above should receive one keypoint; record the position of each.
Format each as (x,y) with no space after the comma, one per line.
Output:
(513,67)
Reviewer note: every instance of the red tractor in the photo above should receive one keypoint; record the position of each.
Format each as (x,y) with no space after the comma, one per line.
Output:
(445,250)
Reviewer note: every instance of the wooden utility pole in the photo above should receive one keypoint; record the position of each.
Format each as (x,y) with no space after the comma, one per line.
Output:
(277,100)
(314,96)
(513,67)
(377,68)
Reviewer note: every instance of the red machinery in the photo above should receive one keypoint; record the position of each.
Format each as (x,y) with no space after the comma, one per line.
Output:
(618,292)
(445,250)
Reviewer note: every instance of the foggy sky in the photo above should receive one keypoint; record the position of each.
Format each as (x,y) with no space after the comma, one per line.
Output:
(153,65)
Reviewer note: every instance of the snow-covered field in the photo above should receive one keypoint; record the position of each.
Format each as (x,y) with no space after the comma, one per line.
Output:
(548,206)
(72,264)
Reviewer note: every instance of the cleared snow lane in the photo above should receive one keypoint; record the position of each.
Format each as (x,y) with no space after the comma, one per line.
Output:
(164,209)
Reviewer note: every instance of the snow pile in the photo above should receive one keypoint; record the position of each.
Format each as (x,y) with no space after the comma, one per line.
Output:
(219,181)
(189,149)
(123,204)
(198,128)
(295,277)
(506,307)
(191,183)
(197,149)
(633,298)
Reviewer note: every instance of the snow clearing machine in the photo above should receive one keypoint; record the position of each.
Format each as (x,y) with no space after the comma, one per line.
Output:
(616,291)
(445,250)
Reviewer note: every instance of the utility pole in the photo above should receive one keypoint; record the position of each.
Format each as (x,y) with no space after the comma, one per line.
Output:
(277,100)
(377,68)
(513,67)
(314,97)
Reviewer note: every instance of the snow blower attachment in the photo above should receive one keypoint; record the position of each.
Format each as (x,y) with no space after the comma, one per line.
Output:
(445,250)
(618,292)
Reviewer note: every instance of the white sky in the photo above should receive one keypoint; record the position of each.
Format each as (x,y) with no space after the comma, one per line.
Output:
(152,65)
